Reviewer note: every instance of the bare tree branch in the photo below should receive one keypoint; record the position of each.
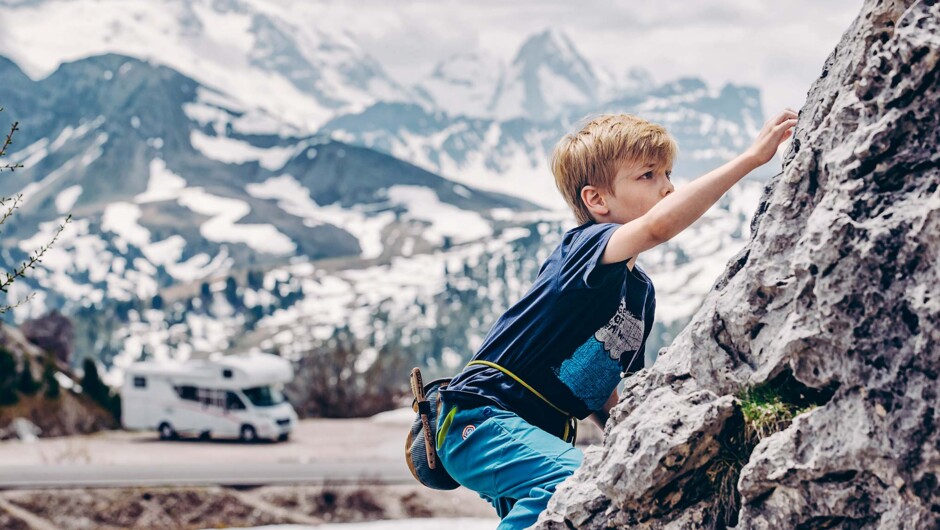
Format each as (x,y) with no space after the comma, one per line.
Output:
(6,144)
(11,204)
(16,204)
(33,260)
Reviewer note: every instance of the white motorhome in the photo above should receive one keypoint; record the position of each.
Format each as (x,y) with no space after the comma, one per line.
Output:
(234,396)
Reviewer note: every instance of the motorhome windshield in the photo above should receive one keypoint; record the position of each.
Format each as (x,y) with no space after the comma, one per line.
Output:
(264,396)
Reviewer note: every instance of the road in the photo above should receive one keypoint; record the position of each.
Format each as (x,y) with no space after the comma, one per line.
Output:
(320,451)
(361,450)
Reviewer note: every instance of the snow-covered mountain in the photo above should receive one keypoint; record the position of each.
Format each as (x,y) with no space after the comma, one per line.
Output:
(281,58)
(546,76)
(270,55)
(250,179)
(546,79)
(164,188)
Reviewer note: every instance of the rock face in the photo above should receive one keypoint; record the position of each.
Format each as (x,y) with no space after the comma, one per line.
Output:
(70,412)
(838,292)
(52,332)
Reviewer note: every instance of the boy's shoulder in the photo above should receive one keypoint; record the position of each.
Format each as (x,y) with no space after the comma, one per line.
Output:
(589,235)
(578,255)
(591,227)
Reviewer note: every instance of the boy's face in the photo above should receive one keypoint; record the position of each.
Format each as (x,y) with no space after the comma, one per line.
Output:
(637,187)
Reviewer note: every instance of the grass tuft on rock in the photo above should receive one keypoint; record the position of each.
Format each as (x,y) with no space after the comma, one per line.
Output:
(766,409)
(766,412)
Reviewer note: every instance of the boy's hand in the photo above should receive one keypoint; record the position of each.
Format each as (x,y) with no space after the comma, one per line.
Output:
(772,134)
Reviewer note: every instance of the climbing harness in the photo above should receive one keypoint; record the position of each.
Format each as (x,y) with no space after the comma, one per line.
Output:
(425,437)
(570,433)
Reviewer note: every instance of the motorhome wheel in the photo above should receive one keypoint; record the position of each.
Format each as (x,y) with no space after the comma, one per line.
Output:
(166,431)
(248,433)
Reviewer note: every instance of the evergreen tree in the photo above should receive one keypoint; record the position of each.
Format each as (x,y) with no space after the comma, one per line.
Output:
(49,380)
(7,378)
(255,279)
(27,384)
(231,293)
(92,385)
(114,406)
(205,292)
(96,389)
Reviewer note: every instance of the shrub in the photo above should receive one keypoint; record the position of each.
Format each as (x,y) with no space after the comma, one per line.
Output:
(331,381)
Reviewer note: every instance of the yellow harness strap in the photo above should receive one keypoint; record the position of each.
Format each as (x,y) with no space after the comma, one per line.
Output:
(445,426)
(571,426)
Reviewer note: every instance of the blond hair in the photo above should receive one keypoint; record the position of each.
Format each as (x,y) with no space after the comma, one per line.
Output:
(592,155)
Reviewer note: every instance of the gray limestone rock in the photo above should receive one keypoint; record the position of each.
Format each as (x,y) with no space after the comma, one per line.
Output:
(838,292)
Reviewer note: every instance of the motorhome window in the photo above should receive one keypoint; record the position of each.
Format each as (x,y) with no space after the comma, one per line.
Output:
(187,392)
(227,373)
(264,396)
(211,397)
(233,402)
(140,382)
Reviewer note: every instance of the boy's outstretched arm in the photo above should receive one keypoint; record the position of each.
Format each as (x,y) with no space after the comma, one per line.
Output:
(677,210)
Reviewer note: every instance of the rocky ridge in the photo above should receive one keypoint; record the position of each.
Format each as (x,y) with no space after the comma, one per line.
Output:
(834,302)
(70,412)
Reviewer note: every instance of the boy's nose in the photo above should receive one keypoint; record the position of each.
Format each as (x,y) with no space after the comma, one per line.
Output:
(668,189)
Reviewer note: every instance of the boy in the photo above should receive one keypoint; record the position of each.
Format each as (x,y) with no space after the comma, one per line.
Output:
(506,429)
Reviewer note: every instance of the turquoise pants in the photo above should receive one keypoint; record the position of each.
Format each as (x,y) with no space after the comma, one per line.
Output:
(511,463)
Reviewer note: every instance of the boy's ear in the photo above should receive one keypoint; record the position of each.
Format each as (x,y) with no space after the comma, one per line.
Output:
(592,198)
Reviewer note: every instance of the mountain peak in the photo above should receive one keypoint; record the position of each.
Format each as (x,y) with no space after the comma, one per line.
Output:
(552,45)
(548,74)
(551,36)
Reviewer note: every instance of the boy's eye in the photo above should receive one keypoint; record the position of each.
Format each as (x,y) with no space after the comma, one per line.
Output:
(648,175)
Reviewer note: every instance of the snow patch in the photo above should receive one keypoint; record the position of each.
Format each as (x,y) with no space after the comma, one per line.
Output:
(446,220)
(121,219)
(67,198)
(295,199)
(30,155)
(222,227)
(233,151)
(164,185)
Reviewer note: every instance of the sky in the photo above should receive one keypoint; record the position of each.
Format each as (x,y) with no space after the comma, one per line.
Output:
(779,47)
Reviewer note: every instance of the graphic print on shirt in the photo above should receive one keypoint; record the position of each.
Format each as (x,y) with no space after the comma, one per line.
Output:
(624,333)
(593,371)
